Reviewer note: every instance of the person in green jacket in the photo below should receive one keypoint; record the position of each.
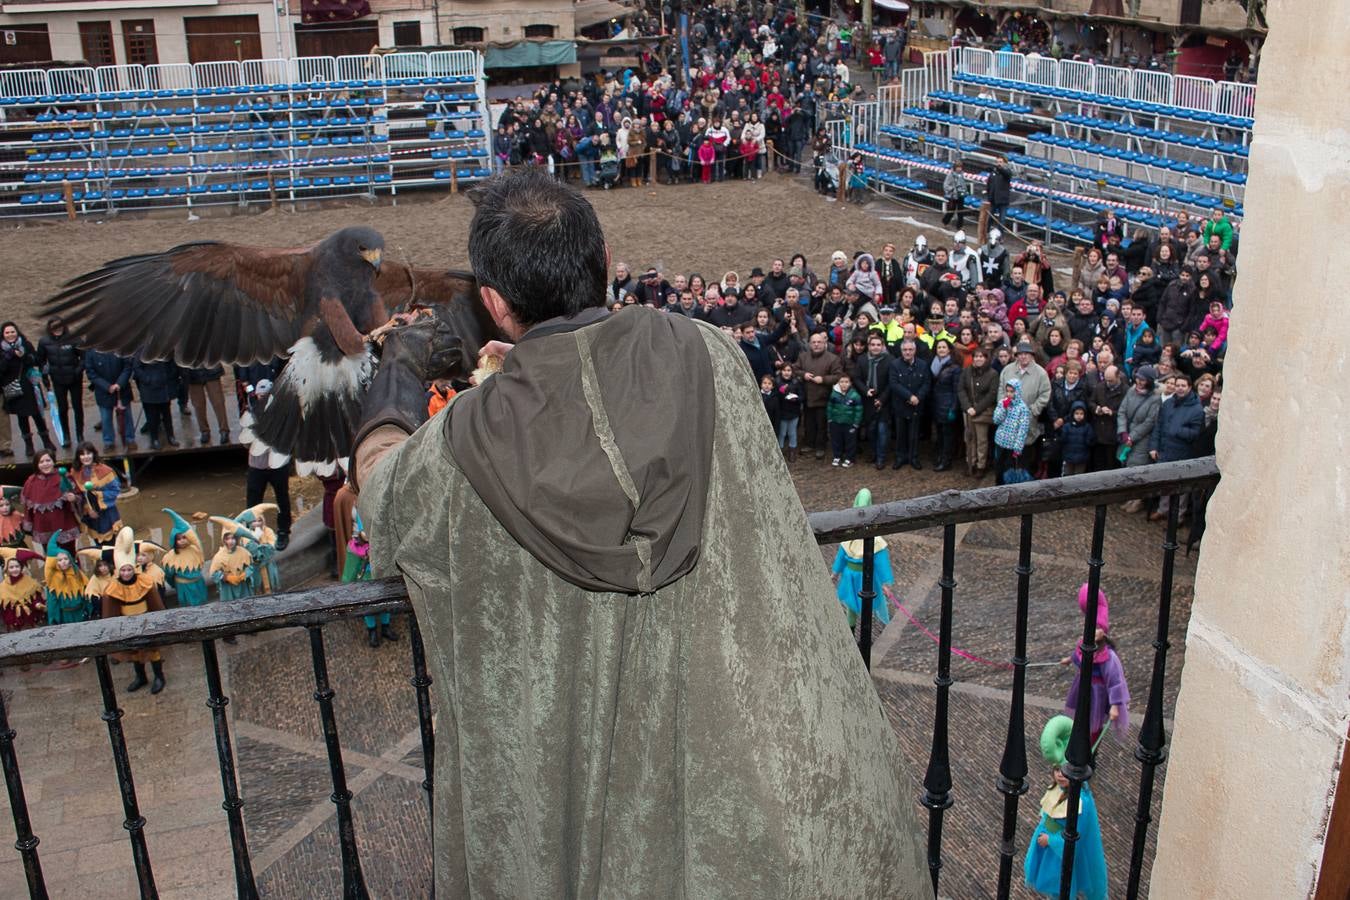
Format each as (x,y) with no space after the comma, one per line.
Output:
(1218,224)
(844,413)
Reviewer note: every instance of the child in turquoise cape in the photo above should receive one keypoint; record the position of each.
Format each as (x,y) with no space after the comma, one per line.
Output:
(1045,856)
(848,565)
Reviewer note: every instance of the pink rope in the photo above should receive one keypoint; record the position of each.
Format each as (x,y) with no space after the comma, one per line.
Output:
(935,639)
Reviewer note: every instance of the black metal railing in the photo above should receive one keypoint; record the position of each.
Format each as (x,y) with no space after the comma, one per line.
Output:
(313,609)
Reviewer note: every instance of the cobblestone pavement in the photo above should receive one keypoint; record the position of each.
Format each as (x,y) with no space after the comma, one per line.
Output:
(284,777)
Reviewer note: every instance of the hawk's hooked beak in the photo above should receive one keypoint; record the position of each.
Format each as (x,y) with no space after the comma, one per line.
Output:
(372,256)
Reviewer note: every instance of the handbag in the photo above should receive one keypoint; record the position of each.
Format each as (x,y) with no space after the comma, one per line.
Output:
(13,390)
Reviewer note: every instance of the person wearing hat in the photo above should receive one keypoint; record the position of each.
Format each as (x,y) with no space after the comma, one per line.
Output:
(261,544)
(101,557)
(11,519)
(1135,421)
(63,586)
(1035,388)
(133,593)
(1043,868)
(1110,700)
(993,260)
(848,570)
(917,260)
(965,261)
(839,270)
(22,604)
(183,561)
(231,568)
(101,487)
(269,469)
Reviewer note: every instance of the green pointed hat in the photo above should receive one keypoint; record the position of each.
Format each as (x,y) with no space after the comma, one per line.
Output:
(54,548)
(864,498)
(1055,739)
(180,525)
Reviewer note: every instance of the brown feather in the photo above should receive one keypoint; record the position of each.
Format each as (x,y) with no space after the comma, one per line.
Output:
(398,284)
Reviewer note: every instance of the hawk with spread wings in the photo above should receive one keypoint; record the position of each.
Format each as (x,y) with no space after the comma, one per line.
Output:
(206,303)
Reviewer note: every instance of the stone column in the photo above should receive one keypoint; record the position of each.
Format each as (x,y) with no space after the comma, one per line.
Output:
(1265,696)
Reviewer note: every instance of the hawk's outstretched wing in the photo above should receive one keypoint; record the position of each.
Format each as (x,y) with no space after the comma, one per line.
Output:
(198,304)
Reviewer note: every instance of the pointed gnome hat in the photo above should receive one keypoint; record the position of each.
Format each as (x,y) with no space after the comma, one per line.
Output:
(180,525)
(124,548)
(147,545)
(22,554)
(55,549)
(234,527)
(1055,739)
(854,548)
(94,554)
(1103,607)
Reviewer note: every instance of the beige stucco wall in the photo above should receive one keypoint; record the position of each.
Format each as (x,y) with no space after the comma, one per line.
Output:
(1264,702)
(64,30)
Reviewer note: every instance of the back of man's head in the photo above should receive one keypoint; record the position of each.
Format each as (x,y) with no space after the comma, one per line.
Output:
(538,243)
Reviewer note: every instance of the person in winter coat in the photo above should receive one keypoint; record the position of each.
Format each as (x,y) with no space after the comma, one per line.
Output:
(1012,419)
(1104,400)
(110,380)
(1180,423)
(18,358)
(977,394)
(946,404)
(157,383)
(1135,423)
(1217,318)
(998,189)
(872,380)
(759,351)
(820,371)
(1218,224)
(1076,441)
(62,363)
(911,382)
(844,413)
(791,392)
(955,189)
(864,278)
(1175,306)
(1035,389)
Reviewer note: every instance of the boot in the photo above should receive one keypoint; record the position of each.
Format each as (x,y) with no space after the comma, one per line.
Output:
(28,445)
(224,436)
(158,684)
(47,441)
(793,452)
(169,437)
(283,540)
(140,680)
(388,633)
(204,438)
(372,637)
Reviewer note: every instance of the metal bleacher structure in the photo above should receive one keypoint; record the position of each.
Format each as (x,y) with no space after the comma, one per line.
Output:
(94,141)
(1081,138)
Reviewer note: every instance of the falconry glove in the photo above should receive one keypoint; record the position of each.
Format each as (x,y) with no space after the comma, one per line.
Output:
(411,356)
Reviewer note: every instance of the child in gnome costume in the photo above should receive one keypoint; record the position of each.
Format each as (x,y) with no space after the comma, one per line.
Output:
(261,543)
(11,518)
(848,565)
(231,569)
(183,562)
(357,568)
(133,593)
(1045,856)
(63,586)
(1110,693)
(101,487)
(103,577)
(145,563)
(22,604)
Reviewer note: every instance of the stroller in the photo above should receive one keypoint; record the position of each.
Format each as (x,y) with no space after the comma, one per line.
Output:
(827,172)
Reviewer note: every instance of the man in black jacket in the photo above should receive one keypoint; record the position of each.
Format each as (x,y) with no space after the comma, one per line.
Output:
(872,379)
(62,364)
(998,189)
(910,383)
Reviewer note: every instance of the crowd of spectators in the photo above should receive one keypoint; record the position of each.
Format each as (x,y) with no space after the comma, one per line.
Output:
(985,355)
(761,79)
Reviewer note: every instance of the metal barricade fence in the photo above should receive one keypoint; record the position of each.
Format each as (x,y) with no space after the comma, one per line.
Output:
(311,69)
(266,71)
(72,81)
(1043,71)
(975,61)
(120,78)
(171,76)
(1113,82)
(1234,99)
(1010,65)
(1149,86)
(1190,92)
(891,98)
(1075,75)
(226,73)
(864,117)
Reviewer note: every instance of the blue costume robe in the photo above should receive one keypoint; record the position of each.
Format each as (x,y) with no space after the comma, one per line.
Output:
(848,566)
(1042,868)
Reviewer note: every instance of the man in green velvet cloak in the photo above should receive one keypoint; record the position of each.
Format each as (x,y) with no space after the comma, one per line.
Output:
(644,687)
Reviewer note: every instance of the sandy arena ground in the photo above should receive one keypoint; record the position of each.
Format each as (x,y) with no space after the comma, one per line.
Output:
(688,228)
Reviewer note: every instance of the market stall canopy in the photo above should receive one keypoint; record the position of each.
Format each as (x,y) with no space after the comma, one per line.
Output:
(529,53)
(893,5)
(587,12)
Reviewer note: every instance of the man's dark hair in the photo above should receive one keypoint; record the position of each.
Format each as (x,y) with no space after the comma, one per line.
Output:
(538,243)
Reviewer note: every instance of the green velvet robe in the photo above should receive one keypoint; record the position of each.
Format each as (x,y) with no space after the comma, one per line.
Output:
(717,738)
